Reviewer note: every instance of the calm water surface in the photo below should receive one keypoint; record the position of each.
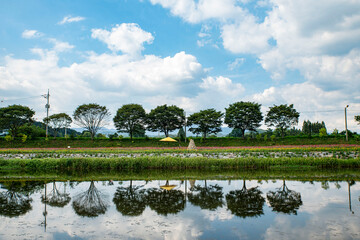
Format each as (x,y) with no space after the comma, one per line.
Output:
(175,209)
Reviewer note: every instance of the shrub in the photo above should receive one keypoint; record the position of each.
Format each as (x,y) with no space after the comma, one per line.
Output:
(265,138)
(8,138)
(272,137)
(322,132)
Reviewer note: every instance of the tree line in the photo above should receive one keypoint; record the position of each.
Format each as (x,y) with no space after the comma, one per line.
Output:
(132,119)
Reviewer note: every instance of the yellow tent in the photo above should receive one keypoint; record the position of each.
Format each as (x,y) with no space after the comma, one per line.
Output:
(168,139)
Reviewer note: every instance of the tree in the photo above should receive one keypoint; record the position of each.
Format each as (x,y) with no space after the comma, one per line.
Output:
(282,117)
(58,121)
(284,200)
(165,119)
(15,116)
(130,201)
(90,203)
(181,134)
(91,117)
(55,198)
(243,116)
(357,119)
(165,202)
(206,122)
(207,197)
(246,202)
(130,118)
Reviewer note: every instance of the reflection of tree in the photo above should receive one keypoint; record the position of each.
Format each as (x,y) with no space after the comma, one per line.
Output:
(90,203)
(350,183)
(15,201)
(284,200)
(166,202)
(55,198)
(207,197)
(245,202)
(130,201)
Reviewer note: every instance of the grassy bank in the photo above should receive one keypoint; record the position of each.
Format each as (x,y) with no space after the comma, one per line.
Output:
(159,174)
(173,163)
(154,142)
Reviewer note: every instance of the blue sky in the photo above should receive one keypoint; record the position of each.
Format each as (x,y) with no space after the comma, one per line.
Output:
(195,54)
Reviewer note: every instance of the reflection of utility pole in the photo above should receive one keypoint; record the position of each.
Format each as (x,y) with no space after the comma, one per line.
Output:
(45,212)
(47,106)
(350,198)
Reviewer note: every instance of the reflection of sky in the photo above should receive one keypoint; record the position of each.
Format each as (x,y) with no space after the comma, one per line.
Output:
(324,214)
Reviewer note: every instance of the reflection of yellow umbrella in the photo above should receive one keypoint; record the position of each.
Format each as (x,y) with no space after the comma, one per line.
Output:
(168,139)
(167,186)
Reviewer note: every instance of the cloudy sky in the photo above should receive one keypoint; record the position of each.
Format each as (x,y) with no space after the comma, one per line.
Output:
(196,54)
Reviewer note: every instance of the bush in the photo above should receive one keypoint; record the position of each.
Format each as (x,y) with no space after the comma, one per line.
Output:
(272,137)
(8,138)
(265,138)
(322,132)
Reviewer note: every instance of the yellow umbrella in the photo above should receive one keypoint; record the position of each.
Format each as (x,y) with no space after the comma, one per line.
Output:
(168,139)
(167,186)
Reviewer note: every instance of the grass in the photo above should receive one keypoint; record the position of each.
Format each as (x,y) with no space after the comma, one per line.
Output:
(154,142)
(173,163)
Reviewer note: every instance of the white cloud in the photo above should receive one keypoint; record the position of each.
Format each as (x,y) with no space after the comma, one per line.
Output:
(236,63)
(70,19)
(128,38)
(60,46)
(28,34)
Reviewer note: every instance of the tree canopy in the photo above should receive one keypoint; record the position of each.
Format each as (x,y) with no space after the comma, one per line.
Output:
(165,119)
(282,117)
(243,116)
(130,118)
(205,122)
(57,121)
(91,117)
(357,118)
(15,116)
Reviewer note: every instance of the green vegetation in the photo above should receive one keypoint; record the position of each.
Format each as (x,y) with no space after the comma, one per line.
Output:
(282,117)
(58,121)
(15,116)
(91,117)
(147,162)
(130,118)
(243,116)
(205,122)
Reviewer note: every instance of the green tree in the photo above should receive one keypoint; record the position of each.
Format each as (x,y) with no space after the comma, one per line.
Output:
(15,116)
(58,121)
(91,117)
(357,119)
(130,118)
(282,117)
(181,134)
(207,197)
(243,116)
(206,122)
(165,119)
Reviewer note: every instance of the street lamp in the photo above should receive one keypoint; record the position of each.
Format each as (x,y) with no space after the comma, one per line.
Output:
(347,136)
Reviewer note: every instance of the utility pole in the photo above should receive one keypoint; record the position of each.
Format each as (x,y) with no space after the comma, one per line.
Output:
(185,126)
(347,136)
(47,106)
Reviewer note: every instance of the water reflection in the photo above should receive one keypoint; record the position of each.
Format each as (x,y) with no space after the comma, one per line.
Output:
(216,209)
(130,201)
(245,202)
(284,200)
(206,197)
(90,203)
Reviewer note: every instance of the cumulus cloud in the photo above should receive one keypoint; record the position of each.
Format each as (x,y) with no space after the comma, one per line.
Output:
(28,34)
(70,19)
(128,38)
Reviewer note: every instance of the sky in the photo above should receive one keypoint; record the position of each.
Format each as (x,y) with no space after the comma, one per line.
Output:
(196,54)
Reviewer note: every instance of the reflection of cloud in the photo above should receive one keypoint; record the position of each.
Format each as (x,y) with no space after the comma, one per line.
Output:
(221,214)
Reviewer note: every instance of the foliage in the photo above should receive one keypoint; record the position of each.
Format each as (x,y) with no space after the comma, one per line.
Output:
(282,117)
(310,128)
(206,122)
(15,116)
(130,118)
(32,131)
(165,119)
(322,132)
(357,119)
(165,202)
(243,116)
(57,121)
(284,200)
(236,133)
(23,138)
(207,197)
(8,138)
(181,134)
(91,117)
(246,202)
(90,203)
